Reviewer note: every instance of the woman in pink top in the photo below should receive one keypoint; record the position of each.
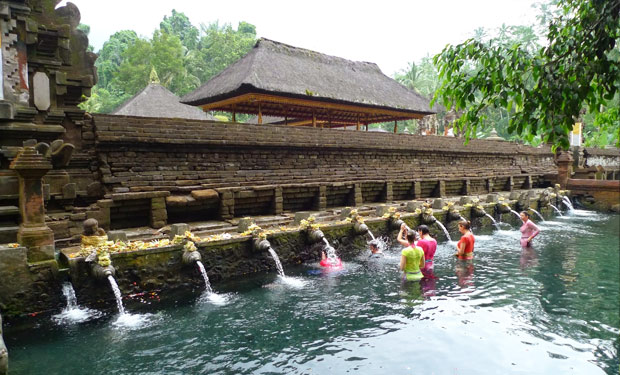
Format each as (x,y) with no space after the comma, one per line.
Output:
(529,230)
(429,245)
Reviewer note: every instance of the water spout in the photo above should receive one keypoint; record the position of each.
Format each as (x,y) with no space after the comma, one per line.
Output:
(556,209)
(205,277)
(537,213)
(117,294)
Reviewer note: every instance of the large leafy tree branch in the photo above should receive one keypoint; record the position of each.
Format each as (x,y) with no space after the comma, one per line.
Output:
(543,90)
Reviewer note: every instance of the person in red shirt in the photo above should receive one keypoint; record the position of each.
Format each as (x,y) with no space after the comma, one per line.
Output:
(465,246)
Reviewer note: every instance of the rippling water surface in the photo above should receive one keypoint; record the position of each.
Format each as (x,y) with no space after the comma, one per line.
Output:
(553,309)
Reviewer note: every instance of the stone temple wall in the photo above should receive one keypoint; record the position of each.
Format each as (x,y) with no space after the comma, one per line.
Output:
(175,170)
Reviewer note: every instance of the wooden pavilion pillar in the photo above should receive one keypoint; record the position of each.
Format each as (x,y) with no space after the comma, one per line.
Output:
(357,126)
(260,114)
(313,119)
(395,126)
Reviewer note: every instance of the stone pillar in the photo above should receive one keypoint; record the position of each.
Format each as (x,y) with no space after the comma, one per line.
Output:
(511,183)
(356,195)
(227,204)
(159,214)
(33,233)
(440,190)
(417,189)
(466,187)
(321,198)
(278,201)
(389,192)
(565,168)
(490,185)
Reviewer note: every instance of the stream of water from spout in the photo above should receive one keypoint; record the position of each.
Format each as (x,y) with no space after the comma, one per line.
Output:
(556,209)
(69,293)
(568,203)
(516,214)
(117,294)
(537,213)
(444,229)
(277,260)
(492,219)
(201,267)
(330,251)
(372,236)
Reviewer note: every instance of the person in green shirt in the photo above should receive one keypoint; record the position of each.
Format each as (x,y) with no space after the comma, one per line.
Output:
(412,256)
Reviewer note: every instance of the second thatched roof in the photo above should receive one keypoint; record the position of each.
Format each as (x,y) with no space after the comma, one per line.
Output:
(282,70)
(157,101)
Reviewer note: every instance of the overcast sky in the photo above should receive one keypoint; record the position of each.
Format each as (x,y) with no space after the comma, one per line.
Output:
(389,33)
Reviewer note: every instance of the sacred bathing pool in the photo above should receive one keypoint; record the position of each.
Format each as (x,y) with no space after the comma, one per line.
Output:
(149,242)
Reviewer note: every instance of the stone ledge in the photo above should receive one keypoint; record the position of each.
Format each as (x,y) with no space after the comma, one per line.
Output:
(137,195)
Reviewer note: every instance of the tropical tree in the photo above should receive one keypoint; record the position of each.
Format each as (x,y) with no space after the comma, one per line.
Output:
(178,24)
(544,88)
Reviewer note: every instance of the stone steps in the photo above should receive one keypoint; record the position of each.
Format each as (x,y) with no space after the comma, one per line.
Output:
(8,234)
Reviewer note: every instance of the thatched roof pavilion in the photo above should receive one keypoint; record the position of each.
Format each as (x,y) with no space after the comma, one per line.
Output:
(275,79)
(157,101)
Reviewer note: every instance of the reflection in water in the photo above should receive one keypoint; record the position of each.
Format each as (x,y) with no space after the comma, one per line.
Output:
(364,319)
(529,258)
(464,270)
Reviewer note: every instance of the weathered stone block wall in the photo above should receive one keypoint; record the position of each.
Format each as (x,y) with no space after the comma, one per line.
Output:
(607,158)
(27,287)
(142,154)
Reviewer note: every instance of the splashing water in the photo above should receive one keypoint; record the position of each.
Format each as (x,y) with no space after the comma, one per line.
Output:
(556,209)
(201,267)
(277,260)
(382,243)
(537,213)
(73,313)
(372,237)
(117,294)
(331,252)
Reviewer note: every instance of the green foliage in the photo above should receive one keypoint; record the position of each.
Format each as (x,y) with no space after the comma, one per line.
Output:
(542,88)
(181,56)
(219,47)
(422,77)
(111,56)
(178,24)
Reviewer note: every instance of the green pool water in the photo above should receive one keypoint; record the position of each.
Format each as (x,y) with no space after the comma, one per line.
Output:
(550,310)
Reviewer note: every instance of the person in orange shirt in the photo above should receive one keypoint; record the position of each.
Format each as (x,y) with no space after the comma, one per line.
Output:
(465,246)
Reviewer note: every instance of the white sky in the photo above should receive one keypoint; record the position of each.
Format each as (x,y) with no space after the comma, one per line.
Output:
(387,32)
